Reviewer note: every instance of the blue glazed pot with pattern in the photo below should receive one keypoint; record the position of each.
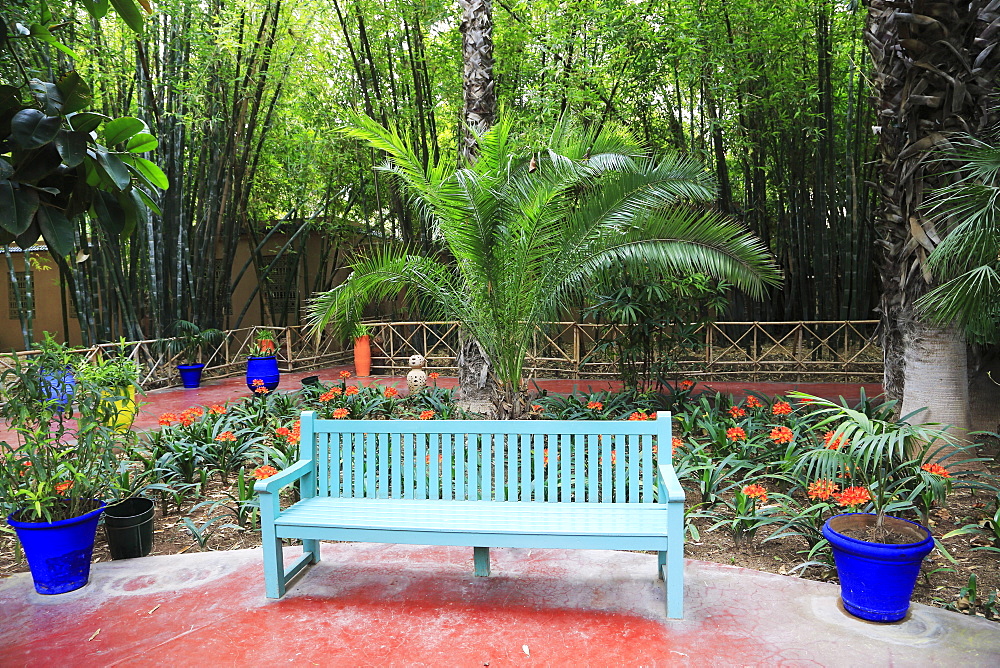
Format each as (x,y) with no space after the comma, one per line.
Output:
(59,553)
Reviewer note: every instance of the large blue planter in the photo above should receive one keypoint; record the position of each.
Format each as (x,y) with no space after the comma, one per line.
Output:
(190,374)
(263,369)
(58,386)
(877,579)
(58,553)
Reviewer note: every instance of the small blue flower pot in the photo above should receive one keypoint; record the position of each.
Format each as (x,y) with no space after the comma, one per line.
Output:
(58,553)
(58,387)
(263,369)
(877,579)
(190,374)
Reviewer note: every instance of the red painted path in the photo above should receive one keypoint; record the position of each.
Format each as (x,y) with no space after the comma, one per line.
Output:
(386,605)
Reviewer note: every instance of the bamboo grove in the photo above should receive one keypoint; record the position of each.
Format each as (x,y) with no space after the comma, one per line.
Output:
(245,98)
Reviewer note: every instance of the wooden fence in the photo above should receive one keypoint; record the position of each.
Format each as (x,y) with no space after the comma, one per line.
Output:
(786,351)
(780,351)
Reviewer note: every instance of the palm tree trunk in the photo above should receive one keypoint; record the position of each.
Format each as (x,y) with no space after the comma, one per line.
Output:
(477,74)
(474,376)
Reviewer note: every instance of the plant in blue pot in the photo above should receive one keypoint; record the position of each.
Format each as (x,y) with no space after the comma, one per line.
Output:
(263,375)
(57,475)
(872,462)
(191,344)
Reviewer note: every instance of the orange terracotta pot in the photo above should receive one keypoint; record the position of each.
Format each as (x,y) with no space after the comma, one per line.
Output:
(362,356)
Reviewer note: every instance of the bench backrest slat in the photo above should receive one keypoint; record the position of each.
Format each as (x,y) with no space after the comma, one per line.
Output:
(502,461)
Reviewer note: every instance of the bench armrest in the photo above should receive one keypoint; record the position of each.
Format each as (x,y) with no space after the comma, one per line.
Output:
(670,487)
(283,478)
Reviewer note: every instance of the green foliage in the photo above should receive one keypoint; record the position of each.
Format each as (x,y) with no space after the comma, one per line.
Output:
(528,232)
(191,341)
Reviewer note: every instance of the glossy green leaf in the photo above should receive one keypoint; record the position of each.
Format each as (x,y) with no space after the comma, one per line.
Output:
(96,8)
(86,121)
(38,163)
(56,229)
(17,207)
(28,238)
(47,95)
(76,94)
(31,128)
(149,171)
(148,201)
(10,98)
(130,13)
(109,212)
(135,212)
(141,143)
(121,129)
(114,168)
(6,169)
(72,147)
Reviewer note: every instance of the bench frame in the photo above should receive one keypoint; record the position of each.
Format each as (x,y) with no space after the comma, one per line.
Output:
(317,435)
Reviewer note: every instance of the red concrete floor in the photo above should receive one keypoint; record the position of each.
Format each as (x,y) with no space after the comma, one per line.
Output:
(385,605)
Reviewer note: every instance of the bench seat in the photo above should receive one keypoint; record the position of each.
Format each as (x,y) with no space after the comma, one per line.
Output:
(626,526)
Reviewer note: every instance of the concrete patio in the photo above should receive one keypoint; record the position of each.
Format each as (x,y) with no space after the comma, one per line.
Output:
(379,605)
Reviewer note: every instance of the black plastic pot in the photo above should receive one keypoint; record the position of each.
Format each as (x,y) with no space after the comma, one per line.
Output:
(129,528)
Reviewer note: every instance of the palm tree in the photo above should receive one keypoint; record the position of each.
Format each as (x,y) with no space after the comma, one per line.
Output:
(523,234)
(478,84)
(933,77)
(968,259)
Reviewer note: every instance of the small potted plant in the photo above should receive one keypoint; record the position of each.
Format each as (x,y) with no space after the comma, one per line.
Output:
(189,343)
(263,375)
(118,377)
(885,466)
(55,479)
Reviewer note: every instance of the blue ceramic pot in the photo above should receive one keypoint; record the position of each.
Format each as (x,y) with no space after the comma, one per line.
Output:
(877,579)
(190,374)
(263,369)
(59,387)
(58,553)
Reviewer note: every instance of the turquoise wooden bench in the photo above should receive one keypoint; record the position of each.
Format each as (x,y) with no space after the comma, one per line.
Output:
(517,483)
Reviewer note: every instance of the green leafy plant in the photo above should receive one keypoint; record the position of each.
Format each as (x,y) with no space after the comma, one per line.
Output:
(191,341)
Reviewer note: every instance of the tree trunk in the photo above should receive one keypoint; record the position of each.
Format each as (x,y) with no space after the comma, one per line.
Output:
(474,377)
(924,89)
(477,74)
(935,376)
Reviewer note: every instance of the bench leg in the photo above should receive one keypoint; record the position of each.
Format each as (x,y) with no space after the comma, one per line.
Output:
(312,547)
(481,556)
(274,567)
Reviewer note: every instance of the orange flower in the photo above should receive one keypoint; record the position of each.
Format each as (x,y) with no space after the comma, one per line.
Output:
(853,496)
(427,415)
(781,408)
(196,411)
(595,405)
(260,389)
(64,486)
(686,384)
(264,472)
(186,419)
(345,374)
(265,345)
(736,434)
(217,409)
(351,391)
(283,432)
(736,412)
(433,375)
(782,435)
(638,416)
(257,382)
(167,419)
(390,392)
(226,436)
(330,395)
(545,456)
(537,408)
(936,469)
(822,490)
(341,413)
(676,443)
(756,492)
(834,443)
(753,402)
